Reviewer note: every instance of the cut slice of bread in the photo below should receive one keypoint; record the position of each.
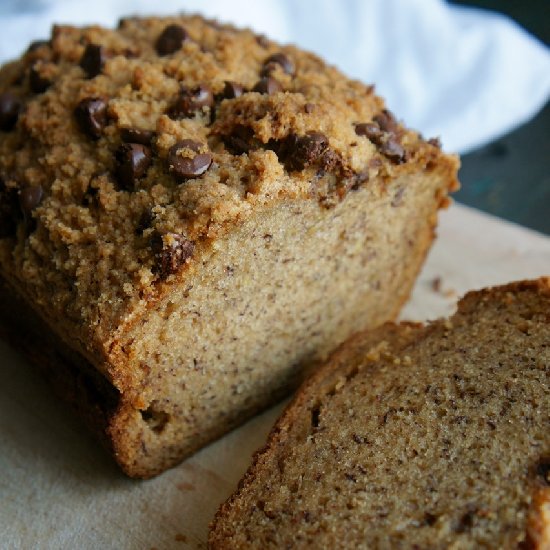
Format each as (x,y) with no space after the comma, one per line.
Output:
(413,436)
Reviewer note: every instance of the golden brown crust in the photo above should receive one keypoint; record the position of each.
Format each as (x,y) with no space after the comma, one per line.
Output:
(101,266)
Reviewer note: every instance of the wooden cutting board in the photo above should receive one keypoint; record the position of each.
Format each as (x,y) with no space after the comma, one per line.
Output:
(58,489)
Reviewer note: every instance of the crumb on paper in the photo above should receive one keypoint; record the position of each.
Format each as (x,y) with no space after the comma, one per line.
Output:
(450,293)
(437,286)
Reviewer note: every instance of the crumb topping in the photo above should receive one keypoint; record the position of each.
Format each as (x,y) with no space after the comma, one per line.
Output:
(121,150)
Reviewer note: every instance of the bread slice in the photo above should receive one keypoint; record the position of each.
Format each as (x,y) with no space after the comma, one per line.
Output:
(413,436)
(192,215)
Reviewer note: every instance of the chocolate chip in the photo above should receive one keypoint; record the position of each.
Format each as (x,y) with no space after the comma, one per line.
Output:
(543,471)
(393,150)
(435,141)
(232,90)
(380,134)
(369,130)
(309,108)
(91,116)
(299,152)
(171,39)
(93,60)
(267,85)
(136,135)
(29,198)
(170,252)
(10,107)
(190,101)
(133,160)
(241,140)
(386,121)
(195,146)
(186,167)
(278,59)
(38,83)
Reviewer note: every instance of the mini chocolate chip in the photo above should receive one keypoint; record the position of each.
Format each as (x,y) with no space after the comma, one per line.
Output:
(188,167)
(393,150)
(356,180)
(386,121)
(267,85)
(329,161)
(91,116)
(190,101)
(309,108)
(299,152)
(369,130)
(93,60)
(232,90)
(170,252)
(435,141)
(145,221)
(29,198)
(543,471)
(171,39)
(10,107)
(241,140)
(38,83)
(136,135)
(133,160)
(279,59)
(195,146)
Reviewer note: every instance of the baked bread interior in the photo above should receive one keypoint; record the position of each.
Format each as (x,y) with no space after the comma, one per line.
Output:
(413,436)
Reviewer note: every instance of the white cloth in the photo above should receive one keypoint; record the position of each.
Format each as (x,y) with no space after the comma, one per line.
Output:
(463,74)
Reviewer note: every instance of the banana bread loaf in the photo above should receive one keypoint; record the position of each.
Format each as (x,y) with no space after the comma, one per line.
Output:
(191,215)
(413,437)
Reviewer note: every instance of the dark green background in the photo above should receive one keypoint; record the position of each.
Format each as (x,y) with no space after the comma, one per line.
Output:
(510,177)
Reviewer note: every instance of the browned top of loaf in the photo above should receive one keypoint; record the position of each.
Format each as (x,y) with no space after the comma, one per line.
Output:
(99,211)
(413,437)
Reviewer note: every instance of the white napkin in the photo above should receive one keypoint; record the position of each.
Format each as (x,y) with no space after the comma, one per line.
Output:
(463,74)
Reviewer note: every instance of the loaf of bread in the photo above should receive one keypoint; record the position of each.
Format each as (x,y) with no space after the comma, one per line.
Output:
(191,215)
(413,437)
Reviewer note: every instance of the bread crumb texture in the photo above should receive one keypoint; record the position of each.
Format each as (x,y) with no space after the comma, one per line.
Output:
(124,151)
(438,437)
